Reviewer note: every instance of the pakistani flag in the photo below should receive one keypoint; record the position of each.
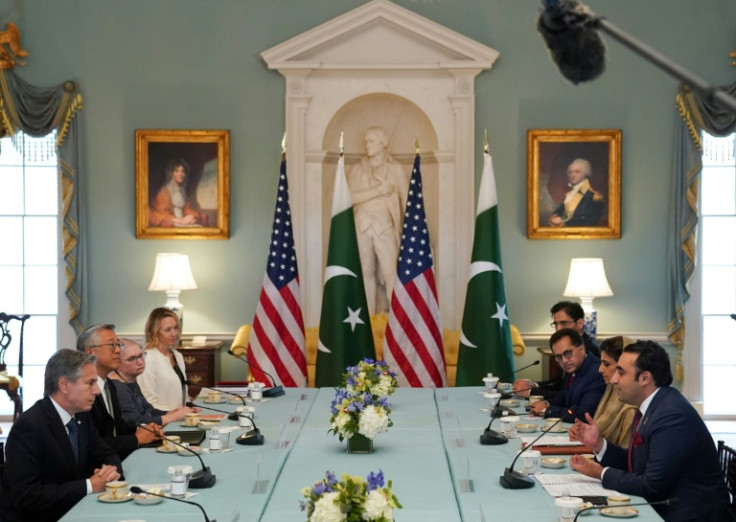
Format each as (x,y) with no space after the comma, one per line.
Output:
(345,335)
(485,339)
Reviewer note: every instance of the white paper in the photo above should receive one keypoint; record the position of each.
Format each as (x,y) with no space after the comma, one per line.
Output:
(572,484)
(551,440)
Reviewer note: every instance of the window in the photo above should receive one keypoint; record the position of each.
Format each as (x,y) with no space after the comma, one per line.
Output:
(717,266)
(30,257)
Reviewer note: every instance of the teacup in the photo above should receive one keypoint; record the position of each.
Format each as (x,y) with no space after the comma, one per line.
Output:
(116,490)
(569,506)
(530,460)
(214,396)
(246,416)
(550,422)
(492,399)
(168,444)
(535,398)
(192,419)
(504,387)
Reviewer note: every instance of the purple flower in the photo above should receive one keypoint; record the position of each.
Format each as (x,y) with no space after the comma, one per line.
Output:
(330,477)
(374,481)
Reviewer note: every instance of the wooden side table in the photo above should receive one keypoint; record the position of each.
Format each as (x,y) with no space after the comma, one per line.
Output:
(201,363)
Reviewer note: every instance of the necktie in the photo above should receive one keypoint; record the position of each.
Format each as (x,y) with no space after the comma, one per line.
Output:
(108,404)
(634,429)
(569,383)
(74,437)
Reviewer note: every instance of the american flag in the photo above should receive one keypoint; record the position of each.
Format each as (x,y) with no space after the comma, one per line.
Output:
(277,338)
(413,342)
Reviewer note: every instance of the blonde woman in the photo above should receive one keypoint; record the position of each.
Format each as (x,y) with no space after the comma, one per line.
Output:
(163,382)
(613,417)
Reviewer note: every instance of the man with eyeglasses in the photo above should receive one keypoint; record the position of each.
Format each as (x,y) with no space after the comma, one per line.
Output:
(134,408)
(583,386)
(102,341)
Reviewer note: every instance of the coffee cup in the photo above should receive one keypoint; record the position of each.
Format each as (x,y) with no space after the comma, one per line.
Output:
(192,419)
(245,418)
(168,444)
(569,506)
(550,422)
(535,398)
(116,490)
(530,460)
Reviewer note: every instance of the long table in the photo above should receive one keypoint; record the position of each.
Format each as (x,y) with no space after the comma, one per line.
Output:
(440,472)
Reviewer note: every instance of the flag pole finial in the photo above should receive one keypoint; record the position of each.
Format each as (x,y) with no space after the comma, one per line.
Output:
(342,144)
(416,144)
(485,141)
(283,144)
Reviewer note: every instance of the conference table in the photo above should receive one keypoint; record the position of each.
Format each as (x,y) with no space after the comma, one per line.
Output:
(432,454)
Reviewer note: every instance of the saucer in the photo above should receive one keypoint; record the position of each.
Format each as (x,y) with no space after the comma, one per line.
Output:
(184,424)
(213,418)
(208,423)
(185,453)
(526,428)
(235,400)
(556,429)
(619,512)
(163,449)
(510,403)
(104,498)
(552,462)
(146,500)
(218,401)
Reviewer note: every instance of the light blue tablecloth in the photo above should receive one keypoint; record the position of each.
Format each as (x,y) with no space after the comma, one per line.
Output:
(280,418)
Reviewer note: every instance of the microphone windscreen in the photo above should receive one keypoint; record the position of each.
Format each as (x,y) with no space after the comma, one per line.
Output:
(573,43)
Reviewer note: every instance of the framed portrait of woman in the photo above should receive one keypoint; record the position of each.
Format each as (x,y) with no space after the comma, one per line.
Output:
(573,184)
(182,184)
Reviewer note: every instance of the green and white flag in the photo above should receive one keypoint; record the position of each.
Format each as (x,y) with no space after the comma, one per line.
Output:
(345,335)
(485,339)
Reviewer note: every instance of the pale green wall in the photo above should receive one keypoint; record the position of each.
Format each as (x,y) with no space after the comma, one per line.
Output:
(196,64)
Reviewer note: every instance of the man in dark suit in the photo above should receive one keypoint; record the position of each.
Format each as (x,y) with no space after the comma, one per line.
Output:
(102,341)
(54,456)
(583,386)
(671,453)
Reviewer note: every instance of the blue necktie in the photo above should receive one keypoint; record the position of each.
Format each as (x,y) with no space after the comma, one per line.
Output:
(74,437)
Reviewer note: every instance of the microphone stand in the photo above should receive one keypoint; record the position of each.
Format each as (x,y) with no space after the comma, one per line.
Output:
(274,391)
(491,437)
(199,479)
(535,363)
(653,56)
(666,502)
(137,491)
(232,416)
(251,437)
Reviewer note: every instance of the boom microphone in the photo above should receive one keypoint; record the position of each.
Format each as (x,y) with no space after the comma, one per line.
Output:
(231,416)
(274,391)
(516,479)
(535,363)
(252,437)
(568,29)
(199,479)
(667,502)
(137,491)
(491,437)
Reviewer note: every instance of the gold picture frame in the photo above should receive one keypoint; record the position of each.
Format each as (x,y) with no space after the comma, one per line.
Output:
(182,184)
(568,198)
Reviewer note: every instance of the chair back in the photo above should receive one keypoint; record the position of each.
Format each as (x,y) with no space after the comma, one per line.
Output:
(727,459)
(6,337)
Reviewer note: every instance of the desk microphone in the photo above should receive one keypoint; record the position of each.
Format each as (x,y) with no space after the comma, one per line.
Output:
(252,437)
(274,391)
(231,416)
(667,502)
(516,479)
(137,491)
(535,363)
(491,437)
(507,395)
(199,479)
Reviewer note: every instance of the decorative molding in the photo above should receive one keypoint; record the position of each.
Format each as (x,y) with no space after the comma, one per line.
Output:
(418,75)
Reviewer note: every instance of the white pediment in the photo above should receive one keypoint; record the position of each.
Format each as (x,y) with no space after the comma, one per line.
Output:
(380,35)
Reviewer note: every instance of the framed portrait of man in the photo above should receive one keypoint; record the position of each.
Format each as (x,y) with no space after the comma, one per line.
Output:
(182,184)
(573,184)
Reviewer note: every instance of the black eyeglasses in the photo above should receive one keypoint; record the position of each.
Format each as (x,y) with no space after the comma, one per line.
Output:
(563,324)
(564,355)
(135,358)
(112,346)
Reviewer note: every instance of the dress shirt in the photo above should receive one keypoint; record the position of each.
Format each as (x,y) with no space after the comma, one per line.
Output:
(65,418)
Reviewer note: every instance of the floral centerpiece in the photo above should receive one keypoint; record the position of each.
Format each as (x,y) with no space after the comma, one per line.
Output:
(370,376)
(352,499)
(360,409)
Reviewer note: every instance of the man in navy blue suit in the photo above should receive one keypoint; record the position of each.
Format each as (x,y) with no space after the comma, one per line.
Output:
(583,386)
(671,453)
(54,456)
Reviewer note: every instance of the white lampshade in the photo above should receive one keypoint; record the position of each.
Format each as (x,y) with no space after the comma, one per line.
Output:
(172,272)
(587,278)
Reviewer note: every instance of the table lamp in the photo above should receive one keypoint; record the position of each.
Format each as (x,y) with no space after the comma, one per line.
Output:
(172,275)
(587,280)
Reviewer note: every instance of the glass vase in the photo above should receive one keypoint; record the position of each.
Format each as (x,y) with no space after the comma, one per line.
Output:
(360,444)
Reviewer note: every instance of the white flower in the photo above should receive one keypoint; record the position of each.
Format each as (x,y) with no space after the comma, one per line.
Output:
(341,419)
(372,421)
(376,506)
(383,387)
(327,510)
